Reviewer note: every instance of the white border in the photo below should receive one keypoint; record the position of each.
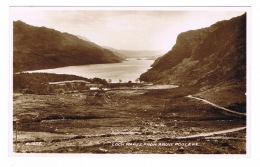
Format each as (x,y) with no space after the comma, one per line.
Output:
(154,160)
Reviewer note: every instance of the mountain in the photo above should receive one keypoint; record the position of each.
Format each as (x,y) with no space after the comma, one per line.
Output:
(150,54)
(41,48)
(212,59)
(83,38)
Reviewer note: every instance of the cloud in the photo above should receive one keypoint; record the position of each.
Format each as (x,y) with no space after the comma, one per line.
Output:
(123,29)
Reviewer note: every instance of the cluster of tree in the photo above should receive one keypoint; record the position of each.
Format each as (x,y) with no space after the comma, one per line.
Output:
(127,84)
(121,81)
(38,83)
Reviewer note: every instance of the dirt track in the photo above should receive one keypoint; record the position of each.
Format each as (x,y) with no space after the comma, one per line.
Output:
(141,121)
(228,111)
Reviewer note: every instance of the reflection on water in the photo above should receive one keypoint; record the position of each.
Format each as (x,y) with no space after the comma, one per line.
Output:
(128,70)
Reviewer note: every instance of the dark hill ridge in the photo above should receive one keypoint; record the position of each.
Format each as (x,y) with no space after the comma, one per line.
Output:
(40,48)
(212,59)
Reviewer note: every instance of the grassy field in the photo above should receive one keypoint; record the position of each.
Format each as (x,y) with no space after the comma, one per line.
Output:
(123,121)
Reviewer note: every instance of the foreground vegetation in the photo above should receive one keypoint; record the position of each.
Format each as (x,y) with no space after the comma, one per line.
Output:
(122,122)
(119,121)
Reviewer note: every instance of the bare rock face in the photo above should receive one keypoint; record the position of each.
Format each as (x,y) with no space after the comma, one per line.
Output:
(40,48)
(208,58)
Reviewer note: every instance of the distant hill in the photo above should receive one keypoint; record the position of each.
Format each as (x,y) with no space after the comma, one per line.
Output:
(212,59)
(150,54)
(37,48)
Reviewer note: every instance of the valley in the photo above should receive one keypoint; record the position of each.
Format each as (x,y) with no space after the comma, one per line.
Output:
(124,121)
(93,99)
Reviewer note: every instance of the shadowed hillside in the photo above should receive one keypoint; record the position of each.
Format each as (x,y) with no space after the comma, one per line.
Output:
(212,59)
(41,48)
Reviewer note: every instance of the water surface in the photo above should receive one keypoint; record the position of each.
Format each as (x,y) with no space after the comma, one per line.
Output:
(128,70)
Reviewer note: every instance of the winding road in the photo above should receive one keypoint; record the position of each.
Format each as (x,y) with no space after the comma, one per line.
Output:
(235,113)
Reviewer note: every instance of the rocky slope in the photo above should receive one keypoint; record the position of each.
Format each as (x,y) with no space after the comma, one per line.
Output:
(212,59)
(40,48)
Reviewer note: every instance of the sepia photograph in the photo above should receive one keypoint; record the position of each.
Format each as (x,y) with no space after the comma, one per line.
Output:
(129,80)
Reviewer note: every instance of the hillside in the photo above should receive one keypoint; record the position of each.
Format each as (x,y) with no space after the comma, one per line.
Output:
(212,59)
(156,61)
(41,48)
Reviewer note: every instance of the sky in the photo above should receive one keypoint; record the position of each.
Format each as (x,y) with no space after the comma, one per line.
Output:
(129,29)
